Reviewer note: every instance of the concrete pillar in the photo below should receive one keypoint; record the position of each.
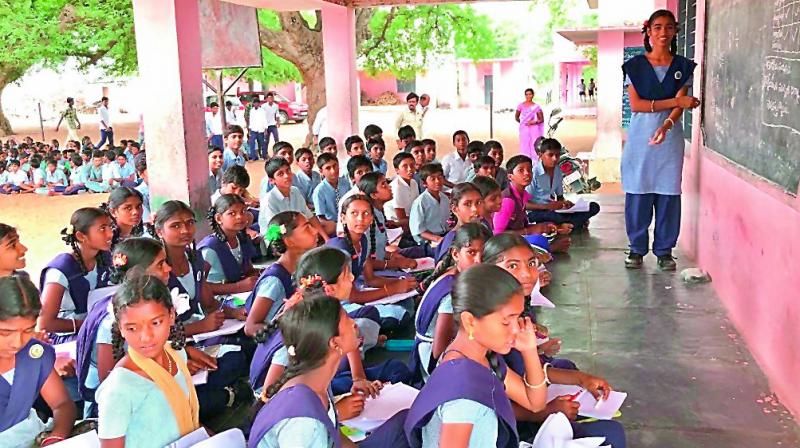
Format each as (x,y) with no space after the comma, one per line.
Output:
(341,77)
(608,145)
(168,47)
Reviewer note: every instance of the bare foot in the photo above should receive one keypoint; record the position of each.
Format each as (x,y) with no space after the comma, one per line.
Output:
(561,244)
(565,229)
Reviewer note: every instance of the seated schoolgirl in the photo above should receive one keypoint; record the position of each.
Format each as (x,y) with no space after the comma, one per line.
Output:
(357,219)
(513,253)
(434,322)
(12,252)
(466,205)
(291,235)
(375,187)
(467,400)
(148,399)
(229,251)
(68,278)
(298,409)
(327,270)
(26,371)
(125,205)
(492,199)
(94,357)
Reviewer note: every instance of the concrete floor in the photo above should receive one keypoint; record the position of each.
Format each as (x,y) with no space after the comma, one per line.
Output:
(691,381)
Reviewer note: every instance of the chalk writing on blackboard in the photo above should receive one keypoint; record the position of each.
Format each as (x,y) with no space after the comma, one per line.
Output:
(781,88)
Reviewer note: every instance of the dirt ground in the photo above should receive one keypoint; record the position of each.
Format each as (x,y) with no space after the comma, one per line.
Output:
(39,219)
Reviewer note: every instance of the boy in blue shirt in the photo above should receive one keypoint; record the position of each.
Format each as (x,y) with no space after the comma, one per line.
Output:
(430,211)
(328,144)
(354,146)
(494,149)
(547,190)
(376,149)
(233,155)
(328,193)
(306,179)
(279,149)
(123,173)
(405,135)
(285,197)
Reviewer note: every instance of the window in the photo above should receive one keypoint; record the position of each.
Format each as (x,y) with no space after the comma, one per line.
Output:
(406,85)
(687,26)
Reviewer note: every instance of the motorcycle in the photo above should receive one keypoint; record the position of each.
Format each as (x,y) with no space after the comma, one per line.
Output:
(573,168)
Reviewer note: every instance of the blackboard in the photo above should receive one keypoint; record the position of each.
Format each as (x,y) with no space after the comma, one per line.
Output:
(751,95)
(628,53)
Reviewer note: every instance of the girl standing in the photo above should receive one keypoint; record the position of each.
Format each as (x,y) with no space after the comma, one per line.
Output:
(26,371)
(530,117)
(229,251)
(148,399)
(467,400)
(68,278)
(291,235)
(652,160)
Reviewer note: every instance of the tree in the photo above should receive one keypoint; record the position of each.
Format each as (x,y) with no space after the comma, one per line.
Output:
(399,39)
(47,32)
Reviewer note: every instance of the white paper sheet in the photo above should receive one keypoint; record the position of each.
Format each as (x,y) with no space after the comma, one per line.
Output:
(393,399)
(200,378)
(604,411)
(67,350)
(580,205)
(99,294)
(191,439)
(85,440)
(423,264)
(230,326)
(232,438)
(538,299)
(393,235)
(394,298)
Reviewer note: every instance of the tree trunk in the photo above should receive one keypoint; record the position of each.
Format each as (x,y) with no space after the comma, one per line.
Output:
(5,125)
(315,95)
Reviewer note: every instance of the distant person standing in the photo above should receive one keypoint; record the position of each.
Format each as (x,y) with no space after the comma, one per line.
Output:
(582,90)
(257,124)
(230,114)
(531,125)
(71,115)
(411,116)
(106,131)
(271,110)
(214,126)
(592,88)
(320,127)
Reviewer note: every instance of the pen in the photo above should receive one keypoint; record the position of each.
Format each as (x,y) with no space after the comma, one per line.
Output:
(574,396)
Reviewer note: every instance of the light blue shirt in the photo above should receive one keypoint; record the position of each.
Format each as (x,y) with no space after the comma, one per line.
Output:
(144,189)
(56,177)
(463,411)
(543,189)
(428,214)
(381,167)
(307,184)
(326,199)
(275,202)
(123,172)
(103,337)
(78,175)
(229,159)
(133,407)
(271,288)
(299,432)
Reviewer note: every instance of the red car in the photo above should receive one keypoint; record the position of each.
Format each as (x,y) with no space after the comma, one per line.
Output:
(288,110)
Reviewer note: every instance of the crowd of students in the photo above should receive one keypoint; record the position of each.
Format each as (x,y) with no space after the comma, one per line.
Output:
(479,356)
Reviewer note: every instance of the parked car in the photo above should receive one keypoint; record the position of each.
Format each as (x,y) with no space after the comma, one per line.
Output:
(287,110)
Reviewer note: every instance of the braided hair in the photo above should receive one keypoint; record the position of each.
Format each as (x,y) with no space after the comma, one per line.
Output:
(368,184)
(465,235)
(115,200)
(284,221)
(162,215)
(134,290)
(458,192)
(131,254)
(81,221)
(350,245)
(221,205)
(673,47)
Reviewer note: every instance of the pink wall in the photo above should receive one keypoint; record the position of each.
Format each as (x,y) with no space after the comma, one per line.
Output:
(372,87)
(746,233)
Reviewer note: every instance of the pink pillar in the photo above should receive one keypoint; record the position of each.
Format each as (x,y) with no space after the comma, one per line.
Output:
(341,77)
(608,145)
(168,46)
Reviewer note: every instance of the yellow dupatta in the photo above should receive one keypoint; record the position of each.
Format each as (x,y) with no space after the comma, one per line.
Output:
(187,413)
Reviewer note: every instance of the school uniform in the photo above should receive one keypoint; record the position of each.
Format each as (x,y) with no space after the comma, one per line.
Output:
(17,179)
(403,195)
(544,189)
(274,283)
(420,184)
(429,214)
(275,202)
(19,389)
(77,179)
(436,301)
(96,180)
(444,245)
(229,159)
(214,130)
(326,198)
(351,192)
(295,416)
(306,184)
(65,270)
(228,265)
(258,124)
(144,189)
(462,391)
(96,329)
(123,172)
(214,181)
(381,167)
(455,168)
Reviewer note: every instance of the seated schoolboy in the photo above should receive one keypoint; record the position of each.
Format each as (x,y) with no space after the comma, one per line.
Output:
(123,173)
(474,152)
(376,149)
(109,161)
(54,181)
(328,144)
(306,179)
(96,180)
(455,164)
(279,149)
(547,190)
(285,197)
(404,190)
(354,145)
(512,210)
(329,192)
(3,172)
(373,131)
(16,180)
(494,149)
(484,166)
(234,180)
(233,154)
(405,135)
(431,210)
(418,151)
(215,171)
(429,147)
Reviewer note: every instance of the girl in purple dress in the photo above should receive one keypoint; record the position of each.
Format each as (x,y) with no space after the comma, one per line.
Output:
(531,125)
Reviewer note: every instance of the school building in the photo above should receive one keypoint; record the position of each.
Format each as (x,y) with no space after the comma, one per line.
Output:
(741,209)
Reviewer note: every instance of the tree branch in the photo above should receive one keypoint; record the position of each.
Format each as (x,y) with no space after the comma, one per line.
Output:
(381,38)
